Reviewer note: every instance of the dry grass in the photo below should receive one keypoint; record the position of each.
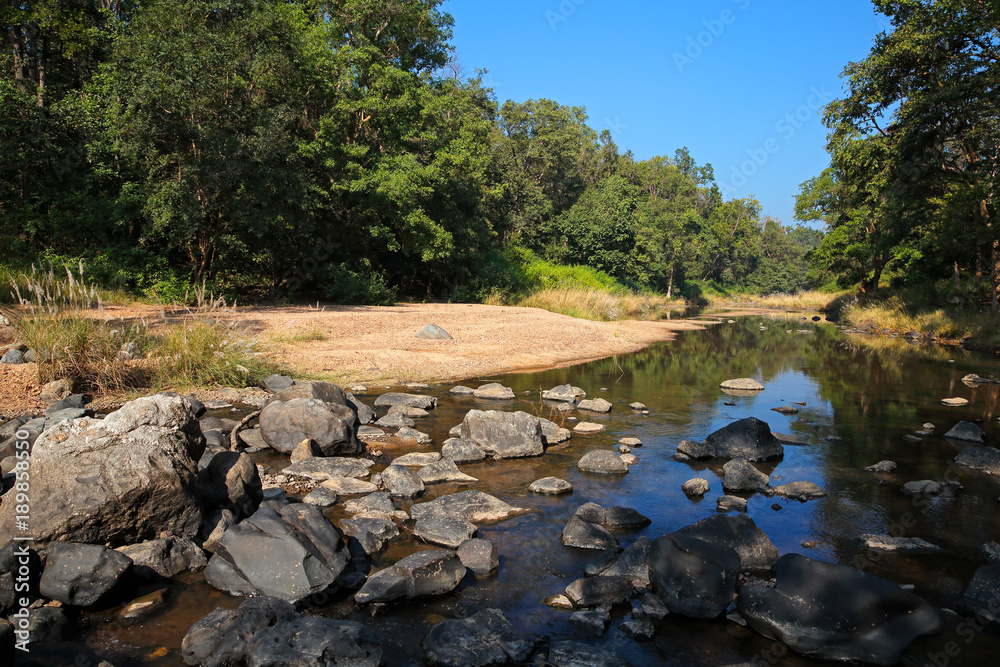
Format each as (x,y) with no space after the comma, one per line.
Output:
(799,301)
(600,305)
(892,315)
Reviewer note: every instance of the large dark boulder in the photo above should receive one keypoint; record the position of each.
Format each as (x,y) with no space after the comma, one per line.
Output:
(586,535)
(334,426)
(757,552)
(749,438)
(314,642)
(220,638)
(425,573)
(120,480)
(837,612)
(289,553)
(693,578)
(504,435)
(632,564)
(483,639)
(82,574)
(19,566)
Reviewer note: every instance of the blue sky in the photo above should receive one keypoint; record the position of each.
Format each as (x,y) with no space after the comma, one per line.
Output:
(741,83)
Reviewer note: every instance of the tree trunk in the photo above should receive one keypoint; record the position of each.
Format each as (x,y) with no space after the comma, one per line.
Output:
(958,283)
(979,268)
(43,48)
(996,276)
(670,285)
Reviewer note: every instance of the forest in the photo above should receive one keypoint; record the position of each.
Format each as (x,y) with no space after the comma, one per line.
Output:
(299,149)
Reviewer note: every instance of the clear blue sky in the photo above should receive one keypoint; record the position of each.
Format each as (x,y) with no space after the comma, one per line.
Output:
(741,83)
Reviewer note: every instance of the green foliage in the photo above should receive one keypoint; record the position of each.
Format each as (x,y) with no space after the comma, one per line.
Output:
(356,284)
(206,353)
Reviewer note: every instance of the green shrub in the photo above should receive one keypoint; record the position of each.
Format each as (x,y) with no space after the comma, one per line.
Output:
(204,353)
(356,284)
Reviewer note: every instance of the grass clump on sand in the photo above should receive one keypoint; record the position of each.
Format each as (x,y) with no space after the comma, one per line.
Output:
(599,304)
(62,320)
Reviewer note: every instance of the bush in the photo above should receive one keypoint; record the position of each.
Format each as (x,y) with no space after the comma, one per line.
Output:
(201,352)
(358,284)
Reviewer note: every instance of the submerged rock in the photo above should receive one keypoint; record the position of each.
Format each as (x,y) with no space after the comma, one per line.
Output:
(882,466)
(742,384)
(981,596)
(984,459)
(836,612)
(910,545)
(308,641)
(483,639)
(925,487)
(578,654)
(801,491)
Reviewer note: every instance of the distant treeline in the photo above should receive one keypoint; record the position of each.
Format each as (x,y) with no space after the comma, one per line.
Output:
(333,149)
(911,194)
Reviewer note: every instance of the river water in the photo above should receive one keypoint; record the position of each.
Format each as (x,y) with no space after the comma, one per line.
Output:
(861,398)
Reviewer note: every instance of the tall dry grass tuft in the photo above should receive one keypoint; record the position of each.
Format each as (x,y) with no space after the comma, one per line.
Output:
(810,300)
(203,352)
(600,305)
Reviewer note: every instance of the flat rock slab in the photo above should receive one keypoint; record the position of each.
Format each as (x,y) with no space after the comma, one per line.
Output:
(444,531)
(395,420)
(473,506)
(786,410)
(563,393)
(324,468)
(630,442)
(402,482)
(578,654)
(595,405)
(378,502)
(954,402)
(417,459)
(589,427)
(801,491)
(730,504)
(495,392)
(407,433)
(347,486)
(742,384)
(483,639)
(552,486)
(410,400)
(909,545)
(602,461)
(444,470)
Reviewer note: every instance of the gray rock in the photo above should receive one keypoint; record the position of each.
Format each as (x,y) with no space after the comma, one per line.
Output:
(309,641)
(911,545)
(365,414)
(290,553)
(284,424)
(473,506)
(504,434)
(594,620)
(738,475)
(120,480)
(307,449)
(984,459)
(695,487)
(12,556)
(598,591)
(321,469)
(637,406)
(692,577)
(624,517)
(836,612)
(981,596)
(967,432)
(925,487)
(639,630)
(13,357)
(586,535)
(494,391)
(444,531)
(417,459)
(991,550)
(731,503)
(379,502)
(222,575)
(742,384)
(595,405)
(81,574)
(483,639)
(462,450)
(954,402)
(552,433)
(165,557)
(406,433)
(563,393)
(321,496)
(433,332)
(402,482)
(277,383)
(220,638)
(411,400)
(50,393)
(801,491)
(602,461)
(652,607)
(462,390)
(395,420)
(252,438)
(346,486)
(46,625)
(739,532)
(426,573)
(372,532)
(589,427)
(320,391)
(632,563)
(578,654)
(480,556)
(444,470)
(213,527)
(552,486)
(231,481)
(882,466)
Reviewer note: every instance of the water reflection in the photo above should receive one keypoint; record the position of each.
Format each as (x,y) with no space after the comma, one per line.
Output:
(860,399)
